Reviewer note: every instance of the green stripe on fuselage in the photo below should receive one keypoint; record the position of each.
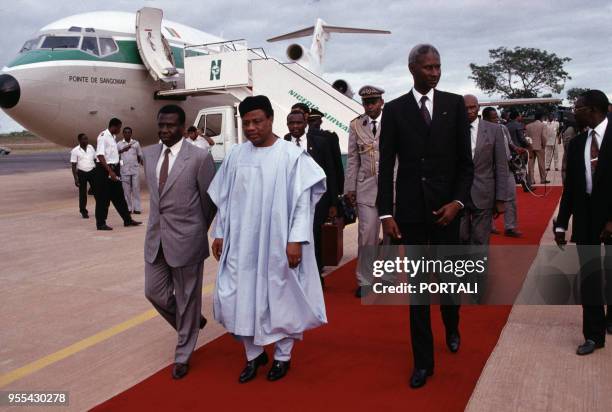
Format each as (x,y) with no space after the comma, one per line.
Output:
(128,53)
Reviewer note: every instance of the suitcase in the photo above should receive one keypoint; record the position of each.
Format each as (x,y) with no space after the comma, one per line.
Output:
(332,246)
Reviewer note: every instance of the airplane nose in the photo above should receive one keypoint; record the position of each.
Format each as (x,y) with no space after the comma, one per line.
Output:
(9,91)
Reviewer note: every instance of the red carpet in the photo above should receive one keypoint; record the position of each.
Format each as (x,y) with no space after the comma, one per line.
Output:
(361,360)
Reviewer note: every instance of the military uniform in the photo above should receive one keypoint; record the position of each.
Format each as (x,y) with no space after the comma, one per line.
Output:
(130,173)
(362,178)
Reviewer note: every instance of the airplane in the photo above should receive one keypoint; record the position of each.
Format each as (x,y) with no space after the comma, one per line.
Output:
(82,70)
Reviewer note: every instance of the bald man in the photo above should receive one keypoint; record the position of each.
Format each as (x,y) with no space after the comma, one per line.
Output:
(489,190)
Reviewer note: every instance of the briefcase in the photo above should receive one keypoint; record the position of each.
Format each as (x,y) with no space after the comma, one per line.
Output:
(332,245)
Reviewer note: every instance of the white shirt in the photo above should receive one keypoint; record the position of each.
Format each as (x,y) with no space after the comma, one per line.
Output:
(371,122)
(84,159)
(174,151)
(107,147)
(428,102)
(474,135)
(200,142)
(600,131)
(302,141)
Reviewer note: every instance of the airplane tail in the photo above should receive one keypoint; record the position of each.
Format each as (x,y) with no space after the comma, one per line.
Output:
(320,35)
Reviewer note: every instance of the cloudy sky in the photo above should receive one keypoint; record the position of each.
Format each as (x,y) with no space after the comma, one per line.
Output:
(462,31)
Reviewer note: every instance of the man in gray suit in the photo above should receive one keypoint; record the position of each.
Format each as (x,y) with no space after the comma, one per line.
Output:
(489,189)
(361,183)
(535,131)
(176,243)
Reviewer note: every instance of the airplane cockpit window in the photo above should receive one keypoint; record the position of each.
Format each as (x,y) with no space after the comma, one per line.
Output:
(61,42)
(90,45)
(90,30)
(31,44)
(107,46)
(75,28)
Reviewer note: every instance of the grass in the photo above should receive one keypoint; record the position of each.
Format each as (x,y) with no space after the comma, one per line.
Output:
(26,142)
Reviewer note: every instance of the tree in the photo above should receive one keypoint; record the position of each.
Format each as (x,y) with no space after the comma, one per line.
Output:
(520,72)
(574,92)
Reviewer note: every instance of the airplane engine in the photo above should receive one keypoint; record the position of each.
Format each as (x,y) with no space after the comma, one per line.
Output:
(295,52)
(343,87)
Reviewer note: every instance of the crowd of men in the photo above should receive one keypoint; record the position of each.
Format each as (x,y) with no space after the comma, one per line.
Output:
(425,168)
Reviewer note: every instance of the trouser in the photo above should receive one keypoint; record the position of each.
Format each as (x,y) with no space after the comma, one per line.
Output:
(552,153)
(510,216)
(368,238)
(321,213)
(131,189)
(107,191)
(539,154)
(84,178)
(476,226)
(282,348)
(420,318)
(176,293)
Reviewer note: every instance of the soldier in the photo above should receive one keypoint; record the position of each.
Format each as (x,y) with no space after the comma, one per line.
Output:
(361,183)
(131,159)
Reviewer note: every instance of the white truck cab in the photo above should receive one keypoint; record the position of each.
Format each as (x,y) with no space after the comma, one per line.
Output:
(220,124)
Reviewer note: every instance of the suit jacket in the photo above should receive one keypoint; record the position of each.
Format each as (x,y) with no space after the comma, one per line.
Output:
(333,142)
(180,216)
(589,217)
(321,152)
(536,130)
(362,161)
(434,163)
(517,133)
(490,167)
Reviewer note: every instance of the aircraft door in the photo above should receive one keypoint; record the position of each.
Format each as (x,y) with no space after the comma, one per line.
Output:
(153,47)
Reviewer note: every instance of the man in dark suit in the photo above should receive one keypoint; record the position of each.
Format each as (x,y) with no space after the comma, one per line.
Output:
(319,150)
(588,199)
(315,119)
(427,130)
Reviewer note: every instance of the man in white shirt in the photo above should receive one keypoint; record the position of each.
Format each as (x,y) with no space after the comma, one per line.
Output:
(108,186)
(131,159)
(195,139)
(552,136)
(82,159)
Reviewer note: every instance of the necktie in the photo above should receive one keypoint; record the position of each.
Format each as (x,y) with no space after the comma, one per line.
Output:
(297,141)
(163,172)
(594,152)
(374,127)
(424,111)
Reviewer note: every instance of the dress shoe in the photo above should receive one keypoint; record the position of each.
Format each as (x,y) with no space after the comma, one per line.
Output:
(419,377)
(588,347)
(132,223)
(250,370)
(548,169)
(494,231)
(545,182)
(362,291)
(453,341)
(137,212)
(85,215)
(513,233)
(203,322)
(279,369)
(105,227)
(180,370)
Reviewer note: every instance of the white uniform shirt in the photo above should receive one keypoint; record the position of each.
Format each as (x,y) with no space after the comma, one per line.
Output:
(174,151)
(200,142)
(371,122)
(474,135)
(600,132)
(85,159)
(303,141)
(107,147)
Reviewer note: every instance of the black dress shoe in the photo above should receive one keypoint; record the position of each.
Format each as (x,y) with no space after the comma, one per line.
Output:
(453,341)
(132,223)
(278,370)
(180,370)
(137,212)
(250,370)
(105,227)
(545,182)
(85,215)
(203,322)
(588,347)
(419,377)
(513,233)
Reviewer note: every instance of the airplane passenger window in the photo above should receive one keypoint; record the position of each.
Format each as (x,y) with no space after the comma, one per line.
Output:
(90,45)
(30,45)
(107,46)
(61,42)
(213,125)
